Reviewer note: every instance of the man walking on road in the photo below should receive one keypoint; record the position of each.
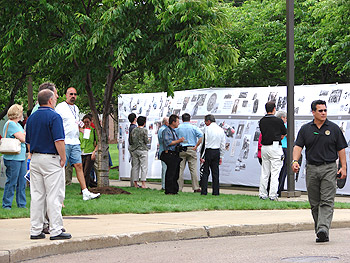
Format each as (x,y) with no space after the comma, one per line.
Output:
(45,140)
(193,137)
(272,132)
(213,149)
(324,142)
(72,125)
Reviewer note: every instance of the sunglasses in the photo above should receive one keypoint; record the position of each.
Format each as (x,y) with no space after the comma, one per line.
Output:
(325,110)
(73,94)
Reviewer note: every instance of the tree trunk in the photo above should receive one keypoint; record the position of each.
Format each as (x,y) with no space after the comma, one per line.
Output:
(102,128)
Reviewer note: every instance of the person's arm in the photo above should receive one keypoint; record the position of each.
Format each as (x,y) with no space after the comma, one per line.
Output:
(20,136)
(29,153)
(296,156)
(198,143)
(342,159)
(93,156)
(222,146)
(60,147)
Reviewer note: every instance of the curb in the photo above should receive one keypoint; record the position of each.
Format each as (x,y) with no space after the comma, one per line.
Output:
(98,242)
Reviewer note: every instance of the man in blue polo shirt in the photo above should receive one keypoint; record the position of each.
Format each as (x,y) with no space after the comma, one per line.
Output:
(193,137)
(45,140)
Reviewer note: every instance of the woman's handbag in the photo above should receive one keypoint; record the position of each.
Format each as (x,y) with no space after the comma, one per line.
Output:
(10,145)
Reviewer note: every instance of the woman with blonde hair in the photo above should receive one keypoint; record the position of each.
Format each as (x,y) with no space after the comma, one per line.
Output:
(15,164)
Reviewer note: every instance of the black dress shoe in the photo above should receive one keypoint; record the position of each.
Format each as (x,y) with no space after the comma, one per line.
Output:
(61,236)
(40,236)
(322,236)
(197,190)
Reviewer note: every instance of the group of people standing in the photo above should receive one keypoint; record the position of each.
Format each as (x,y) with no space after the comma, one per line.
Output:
(324,144)
(178,145)
(51,136)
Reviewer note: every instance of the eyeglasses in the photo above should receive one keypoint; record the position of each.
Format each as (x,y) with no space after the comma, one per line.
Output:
(73,94)
(324,110)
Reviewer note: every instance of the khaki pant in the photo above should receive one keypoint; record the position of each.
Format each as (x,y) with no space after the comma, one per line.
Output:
(321,189)
(189,156)
(139,165)
(47,185)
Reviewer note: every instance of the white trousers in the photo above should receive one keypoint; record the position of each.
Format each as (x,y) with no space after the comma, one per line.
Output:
(47,185)
(272,162)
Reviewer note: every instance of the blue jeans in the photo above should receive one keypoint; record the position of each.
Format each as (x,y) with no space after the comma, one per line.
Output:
(15,171)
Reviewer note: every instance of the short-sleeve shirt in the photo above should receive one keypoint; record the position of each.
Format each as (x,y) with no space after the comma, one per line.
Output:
(169,135)
(44,128)
(14,128)
(272,128)
(160,139)
(87,146)
(190,132)
(70,117)
(321,145)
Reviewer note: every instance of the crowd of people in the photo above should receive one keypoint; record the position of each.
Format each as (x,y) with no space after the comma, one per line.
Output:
(54,137)
(178,145)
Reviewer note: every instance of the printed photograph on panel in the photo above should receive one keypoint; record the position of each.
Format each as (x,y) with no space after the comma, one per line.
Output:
(211,102)
(235,106)
(335,96)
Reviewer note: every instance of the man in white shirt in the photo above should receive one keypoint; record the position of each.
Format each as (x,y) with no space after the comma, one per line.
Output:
(72,124)
(213,147)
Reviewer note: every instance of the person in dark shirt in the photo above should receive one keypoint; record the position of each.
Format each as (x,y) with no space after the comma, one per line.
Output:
(45,139)
(324,142)
(132,119)
(272,131)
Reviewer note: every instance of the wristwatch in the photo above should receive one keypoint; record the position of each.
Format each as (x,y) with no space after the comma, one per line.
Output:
(294,161)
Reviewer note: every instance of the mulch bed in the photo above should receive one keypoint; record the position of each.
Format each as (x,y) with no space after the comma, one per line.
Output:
(109,190)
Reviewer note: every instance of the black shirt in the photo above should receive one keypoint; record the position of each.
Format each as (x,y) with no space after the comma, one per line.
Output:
(272,128)
(322,145)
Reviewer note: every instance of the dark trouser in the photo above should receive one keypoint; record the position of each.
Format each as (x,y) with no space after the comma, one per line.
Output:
(212,159)
(87,166)
(172,161)
(321,190)
(283,173)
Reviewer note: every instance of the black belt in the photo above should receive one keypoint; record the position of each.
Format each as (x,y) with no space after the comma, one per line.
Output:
(46,153)
(321,163)
(212,149)
(171,152)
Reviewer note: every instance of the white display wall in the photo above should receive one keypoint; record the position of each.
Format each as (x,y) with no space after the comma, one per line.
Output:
(237,111)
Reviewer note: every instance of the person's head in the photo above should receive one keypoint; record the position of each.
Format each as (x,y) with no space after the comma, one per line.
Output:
(174,121)
(47,98)
(87,121)
(71,95)
(131,117)
(186,117)
(141,121)
(15,112)
(282,115)
(50,86)
(208,119)
(319,110)
(270,107)
(165,121)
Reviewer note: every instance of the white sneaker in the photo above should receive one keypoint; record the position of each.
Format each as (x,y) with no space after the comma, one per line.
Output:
(88,196)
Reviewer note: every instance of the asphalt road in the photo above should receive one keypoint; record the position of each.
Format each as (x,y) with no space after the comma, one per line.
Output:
(280,247)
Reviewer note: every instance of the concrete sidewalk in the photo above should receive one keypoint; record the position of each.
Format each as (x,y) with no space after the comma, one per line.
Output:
(101,231)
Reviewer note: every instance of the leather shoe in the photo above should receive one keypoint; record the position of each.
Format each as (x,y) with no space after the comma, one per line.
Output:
(61,236)
(322,236)
(197,190)
(40,236)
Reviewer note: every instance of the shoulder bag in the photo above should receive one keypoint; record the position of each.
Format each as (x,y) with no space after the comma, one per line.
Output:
(10,145)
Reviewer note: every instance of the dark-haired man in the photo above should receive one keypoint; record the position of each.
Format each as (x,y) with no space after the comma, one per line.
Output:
(132,119)
(212,152)
(45,140)
(138,147)
(193,137)
(170,155)
(272,132)
(324,142)
(72,125)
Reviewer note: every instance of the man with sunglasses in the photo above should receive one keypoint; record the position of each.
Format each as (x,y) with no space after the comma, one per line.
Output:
(324,142)
(72,126)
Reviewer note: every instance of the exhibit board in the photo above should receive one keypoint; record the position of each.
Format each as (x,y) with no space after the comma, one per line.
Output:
(237,111)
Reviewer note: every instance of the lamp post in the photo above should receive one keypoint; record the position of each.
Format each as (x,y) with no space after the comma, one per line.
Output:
(290,99)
